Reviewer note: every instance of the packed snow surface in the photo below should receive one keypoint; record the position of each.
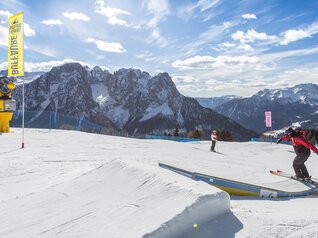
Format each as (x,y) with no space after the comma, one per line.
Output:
(75,184)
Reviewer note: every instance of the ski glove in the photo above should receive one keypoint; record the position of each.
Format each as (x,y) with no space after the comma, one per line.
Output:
(278,141)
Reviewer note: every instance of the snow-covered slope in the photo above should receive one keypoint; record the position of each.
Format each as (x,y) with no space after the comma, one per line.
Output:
(71,184)
(75,184)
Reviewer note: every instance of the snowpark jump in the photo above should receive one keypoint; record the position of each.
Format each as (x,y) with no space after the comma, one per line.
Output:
(286,188)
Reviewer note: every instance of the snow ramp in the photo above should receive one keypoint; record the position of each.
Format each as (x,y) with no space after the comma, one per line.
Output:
(118,199)
(286,188)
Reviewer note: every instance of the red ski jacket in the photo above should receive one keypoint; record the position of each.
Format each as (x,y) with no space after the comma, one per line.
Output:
(299,141)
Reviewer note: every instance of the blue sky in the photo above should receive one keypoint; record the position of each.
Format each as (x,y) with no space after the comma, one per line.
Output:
(209,47)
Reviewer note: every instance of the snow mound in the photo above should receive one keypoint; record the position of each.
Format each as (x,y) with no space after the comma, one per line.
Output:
(75,190)
(203,210)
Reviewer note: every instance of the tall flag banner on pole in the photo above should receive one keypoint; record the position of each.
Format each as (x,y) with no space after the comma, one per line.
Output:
(15,46)
(268,119)
(15,54)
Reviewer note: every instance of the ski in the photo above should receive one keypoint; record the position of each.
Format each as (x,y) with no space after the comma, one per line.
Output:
(312,181)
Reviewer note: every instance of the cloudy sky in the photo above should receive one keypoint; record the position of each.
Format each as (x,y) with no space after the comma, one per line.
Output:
(209,47)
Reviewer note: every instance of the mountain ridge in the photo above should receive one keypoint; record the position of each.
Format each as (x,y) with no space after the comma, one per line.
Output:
(297,104)
(128,99)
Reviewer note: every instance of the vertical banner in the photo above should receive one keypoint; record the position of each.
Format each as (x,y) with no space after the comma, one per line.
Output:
(15,46)
(268,119)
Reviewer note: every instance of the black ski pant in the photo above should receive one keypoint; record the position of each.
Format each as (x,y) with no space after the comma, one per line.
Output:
(299,163)
(213,145)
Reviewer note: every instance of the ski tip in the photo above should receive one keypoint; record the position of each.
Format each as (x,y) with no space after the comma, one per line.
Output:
(272,171)
(279,171)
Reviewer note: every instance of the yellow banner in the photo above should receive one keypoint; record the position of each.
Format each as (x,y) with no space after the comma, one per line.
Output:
(15,46)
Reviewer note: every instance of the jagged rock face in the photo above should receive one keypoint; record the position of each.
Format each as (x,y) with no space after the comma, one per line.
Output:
(130,99)
(65,89)
(298,104)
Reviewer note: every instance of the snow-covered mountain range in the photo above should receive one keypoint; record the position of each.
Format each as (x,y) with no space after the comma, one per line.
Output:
(298,104)
(215,101)
(128,99)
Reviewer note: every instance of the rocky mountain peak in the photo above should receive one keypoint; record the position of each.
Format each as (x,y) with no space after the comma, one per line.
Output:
(129,99)
(288,105)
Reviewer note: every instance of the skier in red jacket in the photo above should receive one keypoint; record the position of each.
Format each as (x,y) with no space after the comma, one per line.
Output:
(302,149)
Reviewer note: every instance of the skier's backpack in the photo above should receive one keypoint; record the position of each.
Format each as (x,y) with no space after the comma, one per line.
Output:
(310,136)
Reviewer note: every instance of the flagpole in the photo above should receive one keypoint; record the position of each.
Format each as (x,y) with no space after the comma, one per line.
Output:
(23,86)
(22,112)
(16,56)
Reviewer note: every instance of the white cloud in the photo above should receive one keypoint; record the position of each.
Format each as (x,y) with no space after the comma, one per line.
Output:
(76,16)
(6,14)
(146,56)
(294,35)
(273,57)
(251,35)
(207,4)
(186,79)
(28,31)
(111,13)
(202,5)
(3,36)
(97,56)
(246,47)
(158,8)
(208,62)
(249,16)
(157,38)
(42,66)
(44,49)
(227,45)
(224,46)
(52,22)
(285,38)
(298,76)
(45,66)
(313,28)
(107,46)
(213,33)
(4,66)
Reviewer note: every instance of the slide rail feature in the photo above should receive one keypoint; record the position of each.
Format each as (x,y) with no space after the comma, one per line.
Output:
(240,188)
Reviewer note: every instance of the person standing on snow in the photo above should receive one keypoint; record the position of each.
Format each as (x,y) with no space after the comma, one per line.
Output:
(302,149)
(214,139)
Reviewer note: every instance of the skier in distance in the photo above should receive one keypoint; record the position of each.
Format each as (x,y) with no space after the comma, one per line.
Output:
(214,139)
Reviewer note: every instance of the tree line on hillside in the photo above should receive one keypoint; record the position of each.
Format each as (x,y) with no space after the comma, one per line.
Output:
(223,135)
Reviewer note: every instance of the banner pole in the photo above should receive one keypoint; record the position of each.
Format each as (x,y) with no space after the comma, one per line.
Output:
(23,85)
(23,113)
(15,54)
